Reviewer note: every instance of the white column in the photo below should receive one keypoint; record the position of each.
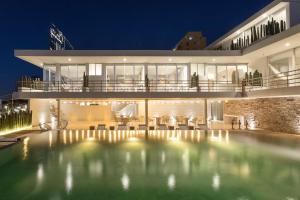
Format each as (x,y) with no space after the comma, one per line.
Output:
(57,73)
(58,113)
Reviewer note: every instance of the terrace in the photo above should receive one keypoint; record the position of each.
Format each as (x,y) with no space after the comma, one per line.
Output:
(161,88)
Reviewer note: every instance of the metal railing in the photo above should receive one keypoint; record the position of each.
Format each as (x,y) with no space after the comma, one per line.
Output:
(128,86)
(279,80)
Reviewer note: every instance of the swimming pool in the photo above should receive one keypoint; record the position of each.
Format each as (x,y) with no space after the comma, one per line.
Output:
(166,165)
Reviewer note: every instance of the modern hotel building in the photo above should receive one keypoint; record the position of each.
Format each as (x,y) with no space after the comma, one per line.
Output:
(250,74)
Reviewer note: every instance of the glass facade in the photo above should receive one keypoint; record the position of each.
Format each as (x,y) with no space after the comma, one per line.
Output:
(230,73)
(70,73)
(160,74)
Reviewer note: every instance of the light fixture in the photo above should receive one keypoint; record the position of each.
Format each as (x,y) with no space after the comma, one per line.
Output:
(287,44)
(42,64)
(238,32)
(264,15)
(124,59)
(190,38)
(214,60)
(69,59)
(170,59)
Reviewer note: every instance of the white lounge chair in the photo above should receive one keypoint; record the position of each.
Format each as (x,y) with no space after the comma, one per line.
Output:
(122,127)
(162,127)
(183,127)
(101,127)
(142,127)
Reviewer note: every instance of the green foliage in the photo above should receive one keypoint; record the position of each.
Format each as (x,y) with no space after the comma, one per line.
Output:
(257,33)
(255,79)
(85,80)
(15,120)
(195,80)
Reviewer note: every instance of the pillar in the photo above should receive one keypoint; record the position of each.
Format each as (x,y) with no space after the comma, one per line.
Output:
(58,113)
(146,116)
(205,112)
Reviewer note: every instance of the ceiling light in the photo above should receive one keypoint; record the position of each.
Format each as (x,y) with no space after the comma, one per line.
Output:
(214,60)
(287,44)
(69,59)
(170,59)
(124,59)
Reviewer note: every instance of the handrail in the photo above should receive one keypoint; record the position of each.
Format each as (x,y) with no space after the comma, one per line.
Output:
(130,86)
(279,80)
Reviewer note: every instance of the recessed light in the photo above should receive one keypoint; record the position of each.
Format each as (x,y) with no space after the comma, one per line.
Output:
(69,59)
(214,60)
(287,44)
(170,59)
(124,59)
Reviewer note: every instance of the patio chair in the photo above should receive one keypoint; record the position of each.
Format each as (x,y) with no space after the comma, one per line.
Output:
(122,127)
(202,127)
(142,127)
(162,127)
(101,127)
(183,127)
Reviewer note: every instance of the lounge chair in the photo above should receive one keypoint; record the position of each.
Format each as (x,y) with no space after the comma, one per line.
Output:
(142,127)
(122,127)
(162,127)
(202,127)
(183,127)
(101,127)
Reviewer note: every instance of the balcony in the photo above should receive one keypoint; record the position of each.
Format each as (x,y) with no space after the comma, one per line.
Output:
(126,89)
(127,86)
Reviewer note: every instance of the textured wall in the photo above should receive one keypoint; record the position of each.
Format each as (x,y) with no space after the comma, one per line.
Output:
(275,114)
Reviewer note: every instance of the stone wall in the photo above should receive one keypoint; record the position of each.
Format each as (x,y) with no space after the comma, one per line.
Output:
(275,114)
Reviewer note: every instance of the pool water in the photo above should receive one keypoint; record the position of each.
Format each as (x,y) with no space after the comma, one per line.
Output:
(165,165)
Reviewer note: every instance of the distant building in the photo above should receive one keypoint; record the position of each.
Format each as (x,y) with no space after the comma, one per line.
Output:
(192,41)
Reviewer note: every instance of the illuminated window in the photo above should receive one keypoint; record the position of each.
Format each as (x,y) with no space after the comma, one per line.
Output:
(95,69)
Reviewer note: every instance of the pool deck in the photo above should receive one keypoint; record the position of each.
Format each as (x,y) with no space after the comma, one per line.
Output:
(8,139)
(11,139)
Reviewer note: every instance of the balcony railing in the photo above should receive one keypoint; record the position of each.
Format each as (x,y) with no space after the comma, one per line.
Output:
(279,80)
(128,86)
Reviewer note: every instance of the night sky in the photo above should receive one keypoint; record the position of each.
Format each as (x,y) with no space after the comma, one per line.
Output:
(98,24)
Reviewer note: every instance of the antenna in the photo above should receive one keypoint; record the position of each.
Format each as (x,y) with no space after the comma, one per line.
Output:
(57,40)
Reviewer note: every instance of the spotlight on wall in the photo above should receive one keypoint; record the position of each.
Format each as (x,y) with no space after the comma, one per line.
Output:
(69,59)
(124,59)
(287,44)
(170,59)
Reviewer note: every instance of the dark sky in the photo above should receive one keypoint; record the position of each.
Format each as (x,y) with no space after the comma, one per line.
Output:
(110,24)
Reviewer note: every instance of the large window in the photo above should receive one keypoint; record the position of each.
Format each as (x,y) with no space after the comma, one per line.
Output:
(222,73)
(72,72)
(49,73)
(210,71)
(95,69)
(231,73)
(125,72)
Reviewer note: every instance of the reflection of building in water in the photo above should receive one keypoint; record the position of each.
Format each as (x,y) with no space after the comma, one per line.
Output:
(106,136)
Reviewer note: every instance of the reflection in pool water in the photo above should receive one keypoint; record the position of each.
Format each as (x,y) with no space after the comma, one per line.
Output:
(80,164)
